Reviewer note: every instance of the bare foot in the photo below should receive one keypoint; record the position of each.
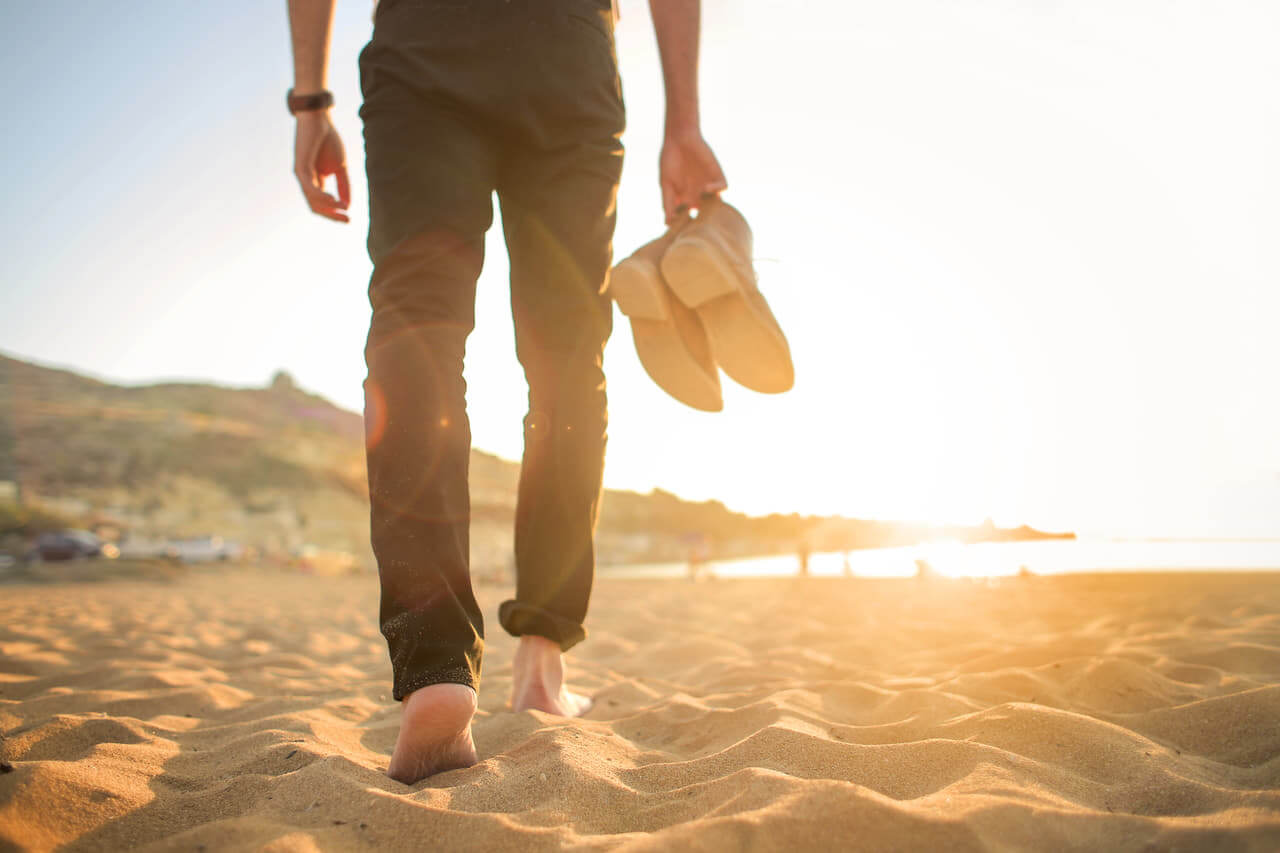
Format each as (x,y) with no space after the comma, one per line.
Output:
(538,680)
(435,732)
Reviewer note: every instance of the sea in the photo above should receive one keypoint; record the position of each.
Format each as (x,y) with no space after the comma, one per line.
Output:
(990,559)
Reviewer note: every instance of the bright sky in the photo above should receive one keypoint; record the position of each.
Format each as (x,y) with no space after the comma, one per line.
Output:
(1026,253)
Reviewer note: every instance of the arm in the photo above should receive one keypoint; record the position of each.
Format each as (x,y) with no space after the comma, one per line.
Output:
(688,170)
(317,149)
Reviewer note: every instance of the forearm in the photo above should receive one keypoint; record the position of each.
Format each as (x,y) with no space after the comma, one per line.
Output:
(676,23)
(309,25)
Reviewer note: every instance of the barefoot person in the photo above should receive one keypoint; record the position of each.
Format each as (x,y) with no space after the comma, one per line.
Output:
(463,98)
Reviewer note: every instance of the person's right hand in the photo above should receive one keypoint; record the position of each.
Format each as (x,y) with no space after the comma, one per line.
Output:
(317,153)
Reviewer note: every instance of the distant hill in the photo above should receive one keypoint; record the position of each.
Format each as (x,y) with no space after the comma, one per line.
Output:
(278,468)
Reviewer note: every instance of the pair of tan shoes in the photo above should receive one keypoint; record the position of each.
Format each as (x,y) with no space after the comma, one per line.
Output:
(693,303)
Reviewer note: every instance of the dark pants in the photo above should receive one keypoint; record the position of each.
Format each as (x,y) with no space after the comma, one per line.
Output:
(463,98)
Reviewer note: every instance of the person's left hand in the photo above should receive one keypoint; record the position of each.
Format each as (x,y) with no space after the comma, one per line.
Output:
(688,172)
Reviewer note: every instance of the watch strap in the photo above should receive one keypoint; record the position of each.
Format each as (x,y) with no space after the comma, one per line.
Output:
(321,100)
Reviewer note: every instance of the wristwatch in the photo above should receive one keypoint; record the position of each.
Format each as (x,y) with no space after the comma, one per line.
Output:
(321,100)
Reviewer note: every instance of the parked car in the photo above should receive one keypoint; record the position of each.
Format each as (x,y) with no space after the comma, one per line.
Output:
(140,548)
(69,545)
(204,549)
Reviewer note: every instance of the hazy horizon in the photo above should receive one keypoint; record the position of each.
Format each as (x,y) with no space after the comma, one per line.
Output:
(1026,257)
(1085,534)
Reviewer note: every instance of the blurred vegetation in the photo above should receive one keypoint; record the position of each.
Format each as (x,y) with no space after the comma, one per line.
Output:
(29,521)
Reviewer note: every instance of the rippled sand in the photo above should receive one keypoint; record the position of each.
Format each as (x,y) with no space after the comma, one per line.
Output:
(244,710)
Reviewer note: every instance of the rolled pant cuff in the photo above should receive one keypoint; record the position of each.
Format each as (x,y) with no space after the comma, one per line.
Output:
(407,679)
(519,619)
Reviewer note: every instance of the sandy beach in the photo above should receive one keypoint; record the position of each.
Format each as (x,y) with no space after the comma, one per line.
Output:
(251,710)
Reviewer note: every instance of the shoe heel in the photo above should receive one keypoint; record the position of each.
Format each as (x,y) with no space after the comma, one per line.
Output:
(697,273)
(637,288)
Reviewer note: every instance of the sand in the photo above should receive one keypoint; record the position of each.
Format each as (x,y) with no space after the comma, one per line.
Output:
(230,710)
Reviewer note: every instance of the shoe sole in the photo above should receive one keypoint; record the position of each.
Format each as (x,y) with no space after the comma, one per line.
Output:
(749,347)
(642,297)
(636,286)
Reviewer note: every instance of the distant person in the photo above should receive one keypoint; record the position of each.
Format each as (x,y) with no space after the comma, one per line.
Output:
(802,555)
(699,554)
(463,99)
